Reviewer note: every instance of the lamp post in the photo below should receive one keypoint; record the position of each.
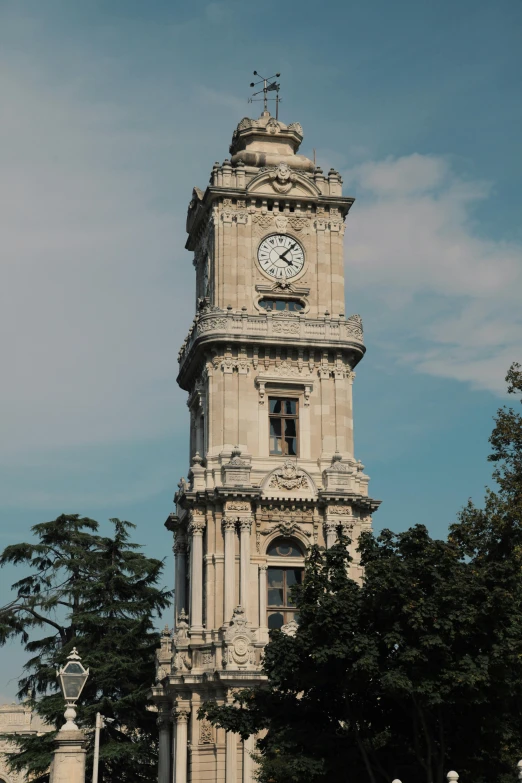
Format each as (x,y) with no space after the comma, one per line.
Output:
(68,764)
(72,677)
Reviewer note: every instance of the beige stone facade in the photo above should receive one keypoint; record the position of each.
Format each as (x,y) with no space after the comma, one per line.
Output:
(268,365)
(16,719)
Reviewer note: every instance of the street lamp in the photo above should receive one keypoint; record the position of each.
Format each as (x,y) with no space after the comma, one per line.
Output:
(72,677)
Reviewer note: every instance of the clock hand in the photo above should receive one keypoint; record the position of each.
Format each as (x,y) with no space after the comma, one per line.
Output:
(282,256)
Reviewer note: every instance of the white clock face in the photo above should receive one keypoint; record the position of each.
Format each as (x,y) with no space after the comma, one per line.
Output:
(280,256)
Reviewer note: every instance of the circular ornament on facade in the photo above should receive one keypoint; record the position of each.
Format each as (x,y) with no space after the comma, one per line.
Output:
(281,257)
(241,650)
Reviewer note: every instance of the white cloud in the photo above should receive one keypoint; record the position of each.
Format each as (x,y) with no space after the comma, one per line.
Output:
(411,240)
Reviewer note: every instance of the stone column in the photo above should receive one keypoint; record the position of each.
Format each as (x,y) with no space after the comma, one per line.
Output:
(163,722)
(262,596)
(229,531)
(330,533)
(196,528)
(248,761)
(173,747)
(245,526)
(230,757)
(181,745)
(68,764)
(180,555)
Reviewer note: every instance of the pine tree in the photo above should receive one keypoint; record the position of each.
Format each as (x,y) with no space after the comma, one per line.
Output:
(101,595)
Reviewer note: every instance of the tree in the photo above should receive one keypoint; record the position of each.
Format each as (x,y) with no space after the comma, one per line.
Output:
(99,594)
(415,671)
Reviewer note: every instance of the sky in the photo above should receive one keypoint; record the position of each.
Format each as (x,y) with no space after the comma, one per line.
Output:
(112,110)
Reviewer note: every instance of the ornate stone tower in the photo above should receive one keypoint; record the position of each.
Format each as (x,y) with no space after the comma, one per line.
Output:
(268,365)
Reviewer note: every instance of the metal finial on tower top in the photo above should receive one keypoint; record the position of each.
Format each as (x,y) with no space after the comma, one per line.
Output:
(268,86)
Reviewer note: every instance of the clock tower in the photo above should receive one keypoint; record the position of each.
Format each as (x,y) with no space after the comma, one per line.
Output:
(268,366)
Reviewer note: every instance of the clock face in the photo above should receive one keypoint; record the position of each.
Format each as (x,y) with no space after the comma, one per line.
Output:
(280,256)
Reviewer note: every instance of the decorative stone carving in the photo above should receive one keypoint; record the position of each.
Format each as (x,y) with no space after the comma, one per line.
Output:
(246,122)
(282,178)
(206,657)
(296,127)
(245,524)
(182,662)
(182,628)
(281,222)
(286,368)
(354,326)
(239,652)
(342,511)
(340,473)
(299,224)
(287,527)
(180,545)
(206,733)
(338,466)
(164,655)
(262,223)
(285,326)
(182,716)
(290,628)
(208,324)
(236,472)
(288,477)
(237,505)
(197,524)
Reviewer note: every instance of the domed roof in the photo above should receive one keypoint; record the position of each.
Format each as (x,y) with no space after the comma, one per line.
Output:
(267,141)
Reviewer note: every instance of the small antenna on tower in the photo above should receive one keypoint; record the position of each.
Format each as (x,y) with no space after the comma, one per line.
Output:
(268,86)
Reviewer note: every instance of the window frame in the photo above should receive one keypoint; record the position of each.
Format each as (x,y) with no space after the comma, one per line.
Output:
(286,609)
(284,564)
(286,301)
(281,417)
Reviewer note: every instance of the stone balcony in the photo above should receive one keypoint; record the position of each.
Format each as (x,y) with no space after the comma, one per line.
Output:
(214,324)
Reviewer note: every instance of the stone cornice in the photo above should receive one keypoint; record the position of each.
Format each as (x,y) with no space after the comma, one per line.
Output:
(213,194)
(229,327)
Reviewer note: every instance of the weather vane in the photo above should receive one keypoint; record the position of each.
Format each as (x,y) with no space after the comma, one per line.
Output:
(268,86)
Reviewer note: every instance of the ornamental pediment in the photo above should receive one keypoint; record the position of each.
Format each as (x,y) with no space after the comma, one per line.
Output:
(288,480)
(282,180)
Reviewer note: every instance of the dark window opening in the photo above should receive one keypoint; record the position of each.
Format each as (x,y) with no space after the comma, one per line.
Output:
(290,305)
(283,418)
(280,602)
(283,547)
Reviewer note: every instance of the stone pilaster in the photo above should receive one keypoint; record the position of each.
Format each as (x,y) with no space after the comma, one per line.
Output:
(262,596)
(164,724)
(229,532)
(330,533)
(180,559)
(196,528)
(230,757)
(245,526)
(182,716)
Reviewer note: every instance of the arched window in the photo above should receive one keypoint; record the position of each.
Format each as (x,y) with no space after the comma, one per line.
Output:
(281,577)
(278,305)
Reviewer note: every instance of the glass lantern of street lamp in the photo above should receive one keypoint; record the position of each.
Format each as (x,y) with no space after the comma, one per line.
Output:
(72,677)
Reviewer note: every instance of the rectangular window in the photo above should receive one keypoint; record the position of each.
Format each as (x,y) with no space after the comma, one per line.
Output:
(283,415)
(280,603)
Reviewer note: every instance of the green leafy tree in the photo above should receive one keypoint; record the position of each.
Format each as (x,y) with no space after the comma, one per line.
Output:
(416,671)
(101,595)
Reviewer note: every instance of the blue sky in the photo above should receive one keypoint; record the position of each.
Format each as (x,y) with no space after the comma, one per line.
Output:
(111,111)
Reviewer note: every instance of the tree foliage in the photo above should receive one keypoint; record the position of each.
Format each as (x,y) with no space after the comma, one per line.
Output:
(416,671)
(101,595)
